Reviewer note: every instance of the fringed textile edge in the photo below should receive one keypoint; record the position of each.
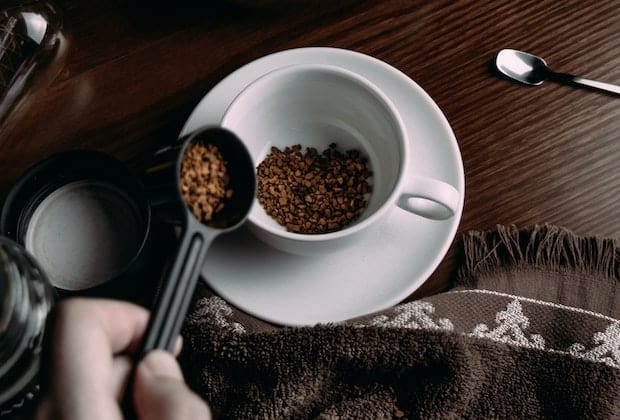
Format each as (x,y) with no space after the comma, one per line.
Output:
(546,247)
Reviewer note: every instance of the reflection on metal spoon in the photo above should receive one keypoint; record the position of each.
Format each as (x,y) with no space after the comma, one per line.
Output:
(532,70)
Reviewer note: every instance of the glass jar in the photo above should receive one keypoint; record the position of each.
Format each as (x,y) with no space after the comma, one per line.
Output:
(26,298)
(32,48)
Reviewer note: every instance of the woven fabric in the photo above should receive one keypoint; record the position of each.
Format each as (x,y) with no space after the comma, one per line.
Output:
(529,330)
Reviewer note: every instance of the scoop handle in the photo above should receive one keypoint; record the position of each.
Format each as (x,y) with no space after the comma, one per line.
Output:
(174,299)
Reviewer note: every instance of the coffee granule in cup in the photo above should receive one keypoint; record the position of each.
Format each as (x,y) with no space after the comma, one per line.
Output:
(204,180)
(312,192)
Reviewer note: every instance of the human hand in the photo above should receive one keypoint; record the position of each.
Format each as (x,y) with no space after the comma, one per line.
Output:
(89,362)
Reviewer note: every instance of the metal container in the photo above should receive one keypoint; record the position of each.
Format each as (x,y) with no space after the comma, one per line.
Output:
(86,219)
(26,298)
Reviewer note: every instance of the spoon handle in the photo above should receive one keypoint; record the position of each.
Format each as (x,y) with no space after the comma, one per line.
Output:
(576,80)
(172,302)
(174,299)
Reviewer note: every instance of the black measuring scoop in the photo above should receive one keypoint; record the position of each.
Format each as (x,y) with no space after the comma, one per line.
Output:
(173,301)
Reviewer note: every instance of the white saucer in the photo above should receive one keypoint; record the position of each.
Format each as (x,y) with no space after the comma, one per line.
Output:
(387,265)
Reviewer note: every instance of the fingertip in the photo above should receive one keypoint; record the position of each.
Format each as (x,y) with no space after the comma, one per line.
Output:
(178,345)
(160,391)
(159,363)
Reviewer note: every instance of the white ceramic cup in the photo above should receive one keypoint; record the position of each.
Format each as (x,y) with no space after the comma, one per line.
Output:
(314,105)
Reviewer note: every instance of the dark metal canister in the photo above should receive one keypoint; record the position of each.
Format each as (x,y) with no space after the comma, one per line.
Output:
(26,298)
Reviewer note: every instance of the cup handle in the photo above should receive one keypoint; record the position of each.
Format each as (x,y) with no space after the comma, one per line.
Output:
(429,198)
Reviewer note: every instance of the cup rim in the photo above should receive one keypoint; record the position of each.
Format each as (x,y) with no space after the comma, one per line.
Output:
(399,126)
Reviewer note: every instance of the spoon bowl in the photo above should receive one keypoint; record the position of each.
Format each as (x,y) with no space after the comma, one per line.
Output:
(522,67)
(532,70)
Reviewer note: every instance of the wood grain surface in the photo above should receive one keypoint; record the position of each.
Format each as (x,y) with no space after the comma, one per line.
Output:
(133,71)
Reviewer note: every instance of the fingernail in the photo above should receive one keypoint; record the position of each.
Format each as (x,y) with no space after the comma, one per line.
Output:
(159,363)
(178,345)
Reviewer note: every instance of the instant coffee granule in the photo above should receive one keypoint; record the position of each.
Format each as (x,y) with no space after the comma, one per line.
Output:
(312,192)
(204,180)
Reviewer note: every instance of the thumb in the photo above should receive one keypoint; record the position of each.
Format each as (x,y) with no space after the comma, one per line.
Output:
(161,393)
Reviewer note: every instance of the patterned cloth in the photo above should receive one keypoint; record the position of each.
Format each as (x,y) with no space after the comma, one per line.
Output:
(529,329)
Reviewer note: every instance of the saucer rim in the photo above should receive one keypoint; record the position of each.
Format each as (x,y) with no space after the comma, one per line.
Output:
(296,56)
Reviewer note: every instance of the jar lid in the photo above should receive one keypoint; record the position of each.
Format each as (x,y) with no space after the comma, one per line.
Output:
(86,219)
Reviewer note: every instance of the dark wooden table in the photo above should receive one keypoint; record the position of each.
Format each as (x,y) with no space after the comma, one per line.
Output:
(134,70)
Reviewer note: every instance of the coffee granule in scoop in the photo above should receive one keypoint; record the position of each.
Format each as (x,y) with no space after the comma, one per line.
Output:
(204,180)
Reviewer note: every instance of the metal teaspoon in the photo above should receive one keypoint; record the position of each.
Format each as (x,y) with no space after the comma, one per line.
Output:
(532,70)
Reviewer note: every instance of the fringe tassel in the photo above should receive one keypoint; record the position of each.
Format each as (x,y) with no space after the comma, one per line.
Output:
(508,258)
(544,246)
